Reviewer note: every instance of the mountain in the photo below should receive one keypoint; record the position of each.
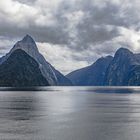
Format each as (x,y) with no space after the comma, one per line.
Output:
(121,70)
(24,66)
(124,70)
(21,70)
(28,45)
(91,75)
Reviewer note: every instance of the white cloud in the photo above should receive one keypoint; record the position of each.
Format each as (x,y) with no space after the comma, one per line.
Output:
(130,37)
(17,13)
(5,45)
(62,57)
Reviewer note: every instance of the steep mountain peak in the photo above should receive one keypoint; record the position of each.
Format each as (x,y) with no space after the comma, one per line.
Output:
(123,51)
(28,39)
(28,45)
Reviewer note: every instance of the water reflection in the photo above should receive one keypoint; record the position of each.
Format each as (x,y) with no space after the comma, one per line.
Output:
(71,113)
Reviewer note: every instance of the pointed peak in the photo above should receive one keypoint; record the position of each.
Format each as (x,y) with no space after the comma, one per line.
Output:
(28,39)
(28,45)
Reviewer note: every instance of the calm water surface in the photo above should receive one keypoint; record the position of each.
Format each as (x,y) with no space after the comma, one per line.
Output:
(70,113)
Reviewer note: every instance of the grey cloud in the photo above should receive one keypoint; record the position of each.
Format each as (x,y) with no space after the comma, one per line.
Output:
(47,34)
(86,30)
(26,1)
(93,28)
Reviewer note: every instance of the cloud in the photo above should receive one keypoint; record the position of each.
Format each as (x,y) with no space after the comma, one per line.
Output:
(62,59)
(5,45)
(76,31)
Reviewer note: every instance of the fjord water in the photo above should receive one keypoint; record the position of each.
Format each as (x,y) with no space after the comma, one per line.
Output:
(70,113)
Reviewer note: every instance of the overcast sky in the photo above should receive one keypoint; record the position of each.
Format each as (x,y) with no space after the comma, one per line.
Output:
(71,33)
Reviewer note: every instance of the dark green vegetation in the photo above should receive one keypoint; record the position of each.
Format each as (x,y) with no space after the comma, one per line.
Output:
(21,70)
(31,69)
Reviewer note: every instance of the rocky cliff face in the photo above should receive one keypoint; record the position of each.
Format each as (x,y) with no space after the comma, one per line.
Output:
(119,67)
(28,45)
(121,70)
(21,70)
(133,78)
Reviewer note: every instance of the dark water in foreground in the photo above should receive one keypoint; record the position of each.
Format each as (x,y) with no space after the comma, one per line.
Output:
(70,113)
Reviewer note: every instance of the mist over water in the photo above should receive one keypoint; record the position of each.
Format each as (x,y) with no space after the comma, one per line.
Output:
(70,113)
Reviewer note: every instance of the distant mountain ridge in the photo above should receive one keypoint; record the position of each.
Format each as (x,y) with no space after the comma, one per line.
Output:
(91,75)
(24,66)
(28,45)
(121,70)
